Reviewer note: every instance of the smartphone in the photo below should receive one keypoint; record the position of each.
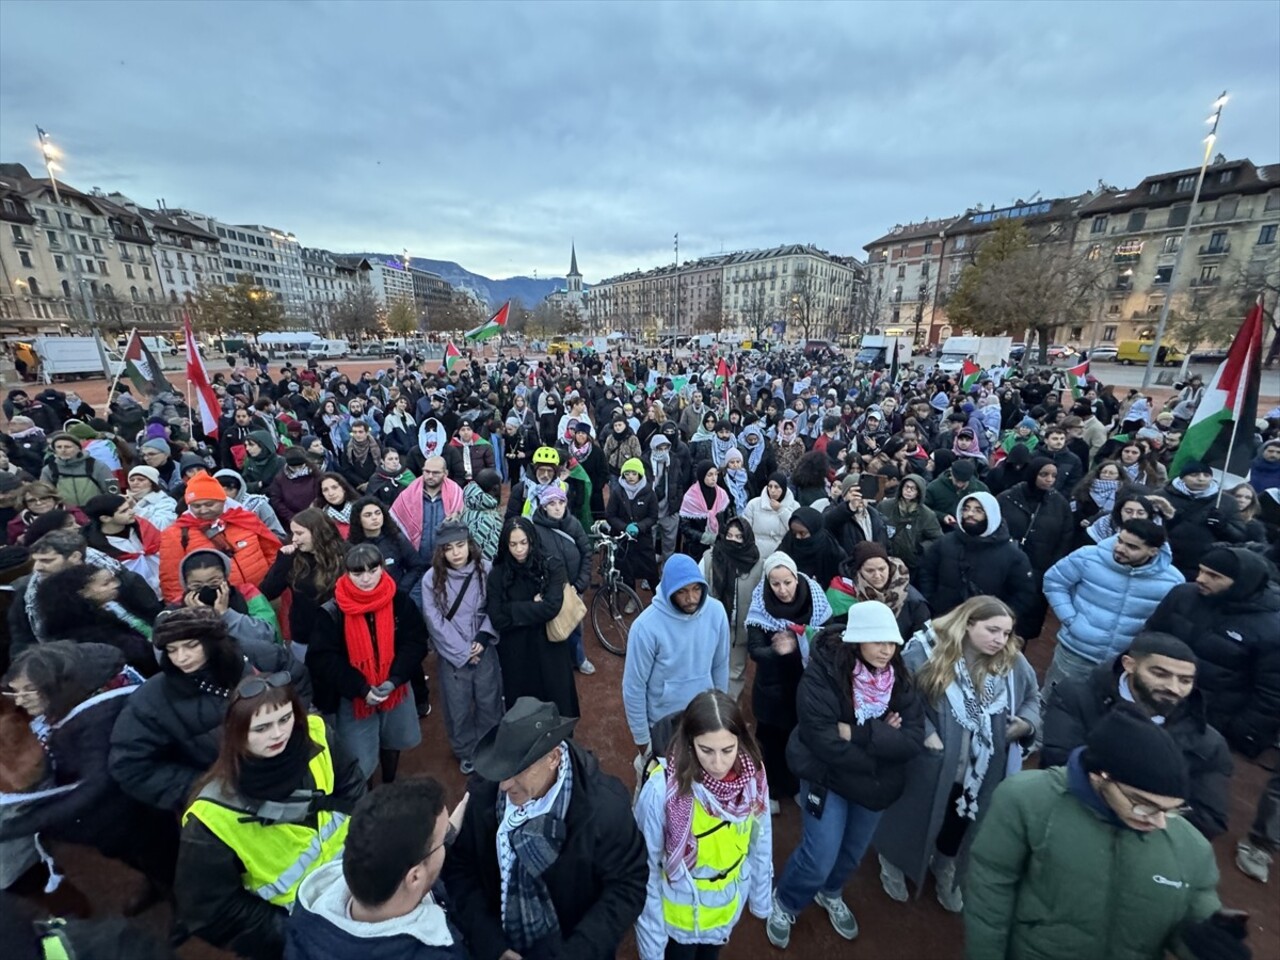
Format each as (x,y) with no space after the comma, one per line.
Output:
(815,801)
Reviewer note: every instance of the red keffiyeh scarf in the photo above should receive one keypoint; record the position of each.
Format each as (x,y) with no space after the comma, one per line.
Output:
(742,794)
(373,662)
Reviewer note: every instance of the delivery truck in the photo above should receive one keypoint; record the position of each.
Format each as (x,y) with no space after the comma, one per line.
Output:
(876,350)
(985,352)
(63,358)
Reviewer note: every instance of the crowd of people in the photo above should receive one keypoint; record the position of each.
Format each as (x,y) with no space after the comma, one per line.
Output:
(217,643)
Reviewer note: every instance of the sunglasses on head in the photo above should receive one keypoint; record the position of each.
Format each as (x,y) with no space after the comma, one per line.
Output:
(261,683)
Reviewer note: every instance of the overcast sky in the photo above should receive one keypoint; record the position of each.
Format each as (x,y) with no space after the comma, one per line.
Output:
(492,134)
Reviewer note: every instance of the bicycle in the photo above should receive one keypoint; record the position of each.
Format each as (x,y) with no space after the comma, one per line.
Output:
(615,606)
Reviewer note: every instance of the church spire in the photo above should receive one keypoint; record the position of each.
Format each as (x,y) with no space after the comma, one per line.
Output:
(573,260)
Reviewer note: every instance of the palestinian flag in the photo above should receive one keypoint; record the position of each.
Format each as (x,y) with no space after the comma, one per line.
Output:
(893,364)
(1224,419)
(969,374)
(451,356)
(493,326)
(142,368)
(1078,378)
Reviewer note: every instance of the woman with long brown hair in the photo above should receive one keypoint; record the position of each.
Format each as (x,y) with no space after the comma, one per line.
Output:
(369,642)
(273,807)
(704,814)
(309,565)
(982,709)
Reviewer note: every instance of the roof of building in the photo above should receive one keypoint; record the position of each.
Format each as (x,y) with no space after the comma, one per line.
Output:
(913,231)
(1033,212)
(573,260)
(1178,186)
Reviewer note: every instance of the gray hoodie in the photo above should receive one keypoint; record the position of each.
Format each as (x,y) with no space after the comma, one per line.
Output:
(245,627)
(255,503)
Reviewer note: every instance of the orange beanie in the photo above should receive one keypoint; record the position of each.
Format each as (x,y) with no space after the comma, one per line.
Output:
(204,487)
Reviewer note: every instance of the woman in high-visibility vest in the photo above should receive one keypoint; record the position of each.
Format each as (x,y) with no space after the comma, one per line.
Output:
(273,808)
(704,812)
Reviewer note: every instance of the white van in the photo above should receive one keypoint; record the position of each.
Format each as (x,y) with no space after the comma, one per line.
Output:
(329,349)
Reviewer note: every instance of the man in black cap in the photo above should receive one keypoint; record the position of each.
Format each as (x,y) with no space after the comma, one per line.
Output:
(943,495)
(1201,517)
(549,861)
(1230,617)
(1158,676)
(1064,867)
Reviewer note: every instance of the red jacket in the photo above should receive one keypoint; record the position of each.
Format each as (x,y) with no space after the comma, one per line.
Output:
(243,537)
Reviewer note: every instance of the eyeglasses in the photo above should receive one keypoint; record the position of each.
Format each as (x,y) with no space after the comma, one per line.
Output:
(1144,810)
(450,835)
(262,682)
(32,501)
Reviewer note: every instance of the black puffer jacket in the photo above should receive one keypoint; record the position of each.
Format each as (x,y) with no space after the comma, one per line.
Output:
(565,538)
(1075,707)
(870,768)
(840,523)
(1044,527)
(167,735)
(596,884)
(1236,637)
(960,566)
(1190,530)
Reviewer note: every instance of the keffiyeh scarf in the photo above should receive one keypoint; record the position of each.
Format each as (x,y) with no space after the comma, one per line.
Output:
(871,692)
(732,800)
(974,711)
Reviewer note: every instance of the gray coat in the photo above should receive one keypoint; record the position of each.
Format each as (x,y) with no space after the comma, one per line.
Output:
(908,829)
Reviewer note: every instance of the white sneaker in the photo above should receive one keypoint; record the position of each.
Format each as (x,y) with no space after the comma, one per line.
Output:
(944,872)
(587,668)
(1253,861)
(894,883)
(778,927)
(775,808)
(841,916)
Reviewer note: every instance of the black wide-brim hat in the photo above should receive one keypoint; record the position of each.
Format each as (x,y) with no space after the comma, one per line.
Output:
(527,732)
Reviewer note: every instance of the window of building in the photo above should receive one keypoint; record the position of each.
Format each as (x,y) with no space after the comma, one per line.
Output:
(142,253)
(128,270)
(88,223)
(1077,333)
(959,243)
(1227,208)
(1185,184)
(924,269)
(25,258)
(146,273)
(97,245)
(133,294)
(1109,334)
(102,267)
(1137,220)
(1208,274)
(90,267)
(43,215)
(33,286)
(1171,245)
(1099,225)
(59,262)
(17,233)
(896,314)
(84,244)
(1154,188)
(1217,242)
(151,294)
(1267,234)
(928,246)
(1226,176)
(1179,214)
(10,206)
(1163,275)
(168,275)
(902,272)
(66,289)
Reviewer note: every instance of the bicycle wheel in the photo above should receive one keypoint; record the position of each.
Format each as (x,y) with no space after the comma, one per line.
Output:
(610,619)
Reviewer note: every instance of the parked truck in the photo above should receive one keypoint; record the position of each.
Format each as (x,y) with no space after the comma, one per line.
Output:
(985,352)
(68,357)
(876,350)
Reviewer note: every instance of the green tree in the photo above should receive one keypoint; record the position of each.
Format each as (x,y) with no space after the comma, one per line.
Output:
(243,308)
(402,319)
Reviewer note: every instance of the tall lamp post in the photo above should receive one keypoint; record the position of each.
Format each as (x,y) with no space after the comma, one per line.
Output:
(1209,142)
(50,154)
(675,327)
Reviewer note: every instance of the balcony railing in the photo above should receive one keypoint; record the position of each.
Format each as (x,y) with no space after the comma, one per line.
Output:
(1205,281)
(1215,249)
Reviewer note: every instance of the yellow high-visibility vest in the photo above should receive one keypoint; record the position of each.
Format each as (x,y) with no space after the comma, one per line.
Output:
(722,850)
(276,856)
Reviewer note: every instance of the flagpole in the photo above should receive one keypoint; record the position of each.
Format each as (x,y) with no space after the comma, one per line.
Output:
(112,390)
(1235,422)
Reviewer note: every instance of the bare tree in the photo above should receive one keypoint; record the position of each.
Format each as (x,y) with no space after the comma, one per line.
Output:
(402,318)
(356,312)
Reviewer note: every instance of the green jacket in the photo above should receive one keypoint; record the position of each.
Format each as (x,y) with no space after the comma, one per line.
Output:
(911,531)
(942,497)
(1049,879)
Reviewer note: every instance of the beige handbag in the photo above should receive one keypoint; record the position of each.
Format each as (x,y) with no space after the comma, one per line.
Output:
(572,612)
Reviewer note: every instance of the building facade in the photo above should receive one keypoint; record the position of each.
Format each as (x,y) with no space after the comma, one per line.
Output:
(328,282)
(431,292)
(390,279)
(571,298)
(796,291)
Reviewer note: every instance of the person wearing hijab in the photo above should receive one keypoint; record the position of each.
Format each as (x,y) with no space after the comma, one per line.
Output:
(815,552)
(261,462)
(871,574)
(788,448)
(732,569)
(703,511)
(769,513)
(620,445)
(734,472)
(525,592)
(787,609)
(759,460)
(1041,522)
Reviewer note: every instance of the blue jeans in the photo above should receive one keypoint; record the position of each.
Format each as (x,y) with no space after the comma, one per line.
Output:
(575,644)
(830,850)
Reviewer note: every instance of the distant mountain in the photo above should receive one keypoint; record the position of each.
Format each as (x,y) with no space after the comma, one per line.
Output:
(493,292)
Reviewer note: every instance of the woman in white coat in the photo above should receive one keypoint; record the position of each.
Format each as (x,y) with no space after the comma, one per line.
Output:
(770,513)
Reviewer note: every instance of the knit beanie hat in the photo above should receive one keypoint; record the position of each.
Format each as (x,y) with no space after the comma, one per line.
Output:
(204,487)
(1194,466)
(62,435)
(633,463)
(871,622)
(551,493)
(158,443)
(962,470)
(82,431)
(1132,750)
(868,550)
(151,473)
(1222,560)
(295,456)
(779,559)
(156,431)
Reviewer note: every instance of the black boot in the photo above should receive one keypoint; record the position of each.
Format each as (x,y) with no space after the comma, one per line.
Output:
(390,760)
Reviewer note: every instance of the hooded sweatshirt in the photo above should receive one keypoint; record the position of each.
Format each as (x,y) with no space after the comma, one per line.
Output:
(250,615)
(255,503)
(453,638)
(259,471)
(321,926)
(483,518)
(671,655)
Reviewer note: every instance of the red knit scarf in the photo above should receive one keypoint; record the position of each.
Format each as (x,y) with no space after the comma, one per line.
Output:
(373,663)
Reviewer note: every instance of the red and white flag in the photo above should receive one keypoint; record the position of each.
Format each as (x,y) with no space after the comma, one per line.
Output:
(198,377)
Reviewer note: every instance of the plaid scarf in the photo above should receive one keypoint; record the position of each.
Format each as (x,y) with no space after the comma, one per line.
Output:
(536,837)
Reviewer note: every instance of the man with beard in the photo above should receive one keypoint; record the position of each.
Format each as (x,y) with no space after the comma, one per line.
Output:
(1158,675)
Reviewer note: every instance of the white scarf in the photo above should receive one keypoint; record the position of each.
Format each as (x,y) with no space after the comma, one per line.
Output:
(975,715)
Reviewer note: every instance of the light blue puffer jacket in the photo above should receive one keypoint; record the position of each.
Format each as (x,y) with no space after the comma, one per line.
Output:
(1103,604)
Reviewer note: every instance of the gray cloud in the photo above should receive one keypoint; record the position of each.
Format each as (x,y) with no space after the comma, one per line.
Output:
(492,133)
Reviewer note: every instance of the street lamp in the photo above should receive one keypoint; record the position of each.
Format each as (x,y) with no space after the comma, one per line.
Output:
(1209,142)
(50,153)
